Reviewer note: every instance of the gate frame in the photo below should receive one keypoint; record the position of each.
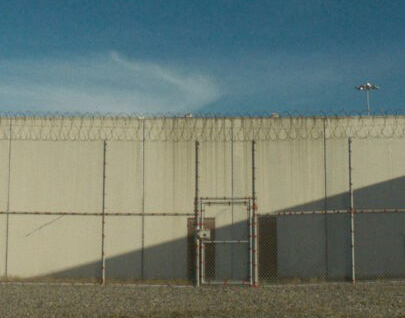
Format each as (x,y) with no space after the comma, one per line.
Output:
(250,240)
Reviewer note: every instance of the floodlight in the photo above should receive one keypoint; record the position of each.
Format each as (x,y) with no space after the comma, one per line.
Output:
(367,87)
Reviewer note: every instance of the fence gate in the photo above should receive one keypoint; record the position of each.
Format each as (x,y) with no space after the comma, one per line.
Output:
(225,255)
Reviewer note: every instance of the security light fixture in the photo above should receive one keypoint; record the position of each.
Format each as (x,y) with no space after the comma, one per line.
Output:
(367,87)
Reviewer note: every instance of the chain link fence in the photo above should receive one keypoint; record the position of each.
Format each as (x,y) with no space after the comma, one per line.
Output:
(121,208)
(314,247)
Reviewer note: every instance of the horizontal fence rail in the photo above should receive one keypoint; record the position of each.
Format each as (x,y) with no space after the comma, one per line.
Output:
(95,213)
(349,211)
(300,246)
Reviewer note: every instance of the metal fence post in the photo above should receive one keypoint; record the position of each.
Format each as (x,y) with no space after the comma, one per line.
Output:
(197,215)
(352,212)
(103,218)
(255,220)
(143,203)
(325,205)
(251,281)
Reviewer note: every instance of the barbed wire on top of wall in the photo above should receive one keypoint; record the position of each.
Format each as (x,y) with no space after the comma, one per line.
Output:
(203,127)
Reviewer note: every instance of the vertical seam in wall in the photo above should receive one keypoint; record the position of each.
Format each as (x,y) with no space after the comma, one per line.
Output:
(232,166)
(232,195)
(325,166)
(143,203)
(8,200)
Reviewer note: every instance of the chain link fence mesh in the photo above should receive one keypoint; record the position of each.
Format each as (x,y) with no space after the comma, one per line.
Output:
(317,247)
(380,245)
(226,263)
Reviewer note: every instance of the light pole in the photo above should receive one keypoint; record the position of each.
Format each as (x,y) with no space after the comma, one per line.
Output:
(367,88)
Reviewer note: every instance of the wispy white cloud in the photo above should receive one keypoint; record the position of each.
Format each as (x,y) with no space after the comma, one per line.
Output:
(251,82)
(103,83)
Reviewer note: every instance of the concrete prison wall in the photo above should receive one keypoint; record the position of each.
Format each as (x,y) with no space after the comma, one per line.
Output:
(57,175)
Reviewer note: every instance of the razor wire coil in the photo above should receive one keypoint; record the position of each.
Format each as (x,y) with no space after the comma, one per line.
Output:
(203,127)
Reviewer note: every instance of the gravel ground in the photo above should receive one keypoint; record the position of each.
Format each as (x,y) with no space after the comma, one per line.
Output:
(379,299)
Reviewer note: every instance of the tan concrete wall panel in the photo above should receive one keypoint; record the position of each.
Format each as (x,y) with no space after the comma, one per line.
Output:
(124,177)
(165,248)
(56,176)
(242,169)
(215,169)
(337,174)
(3,242)
(290,175)
(169,177)
(379,173)
(123,247)
(60,246)
(4,172)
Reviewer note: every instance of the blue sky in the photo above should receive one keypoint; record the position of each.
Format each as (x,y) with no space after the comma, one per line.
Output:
(183,56)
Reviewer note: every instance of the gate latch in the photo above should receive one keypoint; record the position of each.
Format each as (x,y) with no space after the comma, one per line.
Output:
(204,234)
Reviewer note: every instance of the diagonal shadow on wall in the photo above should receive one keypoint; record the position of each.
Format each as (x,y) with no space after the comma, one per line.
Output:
(291,246)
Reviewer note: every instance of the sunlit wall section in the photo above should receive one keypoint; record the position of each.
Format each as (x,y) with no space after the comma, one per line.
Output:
(4,179)
(55,177)
(378,173)
(290,175)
